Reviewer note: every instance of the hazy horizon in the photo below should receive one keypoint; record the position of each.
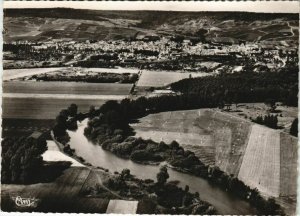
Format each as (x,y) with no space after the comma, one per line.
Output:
(258,7)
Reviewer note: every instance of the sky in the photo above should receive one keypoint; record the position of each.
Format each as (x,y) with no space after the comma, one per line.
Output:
(251,6)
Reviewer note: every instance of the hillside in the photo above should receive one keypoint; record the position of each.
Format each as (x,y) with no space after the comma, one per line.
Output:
(261,157)
(62,23)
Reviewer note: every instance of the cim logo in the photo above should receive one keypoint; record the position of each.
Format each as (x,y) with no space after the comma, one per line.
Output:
(25,202)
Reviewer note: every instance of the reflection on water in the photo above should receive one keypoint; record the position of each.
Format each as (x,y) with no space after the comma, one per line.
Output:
(224,202)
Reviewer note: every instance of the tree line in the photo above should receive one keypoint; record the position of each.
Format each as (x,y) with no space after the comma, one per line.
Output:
(146,52)
(267,120)
(65,120)
(162,196)
(90,78)
(109,127)
(21,159)
(244,87)
(294,128)
(236,186)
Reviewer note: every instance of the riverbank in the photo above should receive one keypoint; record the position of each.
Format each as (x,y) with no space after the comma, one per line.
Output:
(127,186)
(224,202)
(108,129)
(148,151)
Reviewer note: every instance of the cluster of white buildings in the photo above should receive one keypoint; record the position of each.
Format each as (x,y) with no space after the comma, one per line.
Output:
(270,54)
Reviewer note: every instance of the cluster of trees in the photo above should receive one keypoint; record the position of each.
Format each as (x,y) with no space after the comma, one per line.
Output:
(180,63)
(21,159)
(136,149)
(164,65)
(118,182)
(131,109)
(109,122)
(210,95)
(105,57)
(164,197)
(28,52)
(234,185)
(267,120)
(94,63)
(178,200)
(109,127)
(243,87)
(146,151)
(95,78)
(66,120)
(177,39)
(294,128)
(146,52)
(68,150)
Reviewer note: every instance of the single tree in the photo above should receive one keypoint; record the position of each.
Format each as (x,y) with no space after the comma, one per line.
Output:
(186,189)
(162,176)
(272,104)
(125,174)
(72,110)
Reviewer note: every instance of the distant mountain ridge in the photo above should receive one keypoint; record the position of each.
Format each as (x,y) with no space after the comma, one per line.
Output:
(79,24)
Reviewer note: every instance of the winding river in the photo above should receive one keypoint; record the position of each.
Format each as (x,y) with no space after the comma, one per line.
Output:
(224,202)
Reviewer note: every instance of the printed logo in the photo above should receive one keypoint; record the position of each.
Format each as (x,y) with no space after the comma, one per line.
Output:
(25,202)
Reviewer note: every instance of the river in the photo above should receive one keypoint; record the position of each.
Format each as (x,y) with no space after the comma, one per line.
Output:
(224,202)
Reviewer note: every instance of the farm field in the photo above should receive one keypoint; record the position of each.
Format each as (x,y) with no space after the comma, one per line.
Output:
(62,195)
(163,78)
(261,163)
(43,108)
(9,74)
(24,127)
(109,70)
(54,154)
(38,28)
(65,193)
(285,114)
(216,138)
(31,87)
(85,75)
(230,135)
(122,207)
(70,24)
(206,153)
(288,164)
(262,157)
(17,73)
(169,126)
(44,100)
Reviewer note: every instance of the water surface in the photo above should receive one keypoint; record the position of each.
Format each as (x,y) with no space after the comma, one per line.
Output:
(224,202)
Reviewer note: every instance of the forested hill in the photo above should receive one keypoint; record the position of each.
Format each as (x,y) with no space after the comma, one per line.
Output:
(19,23)
(244,87)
